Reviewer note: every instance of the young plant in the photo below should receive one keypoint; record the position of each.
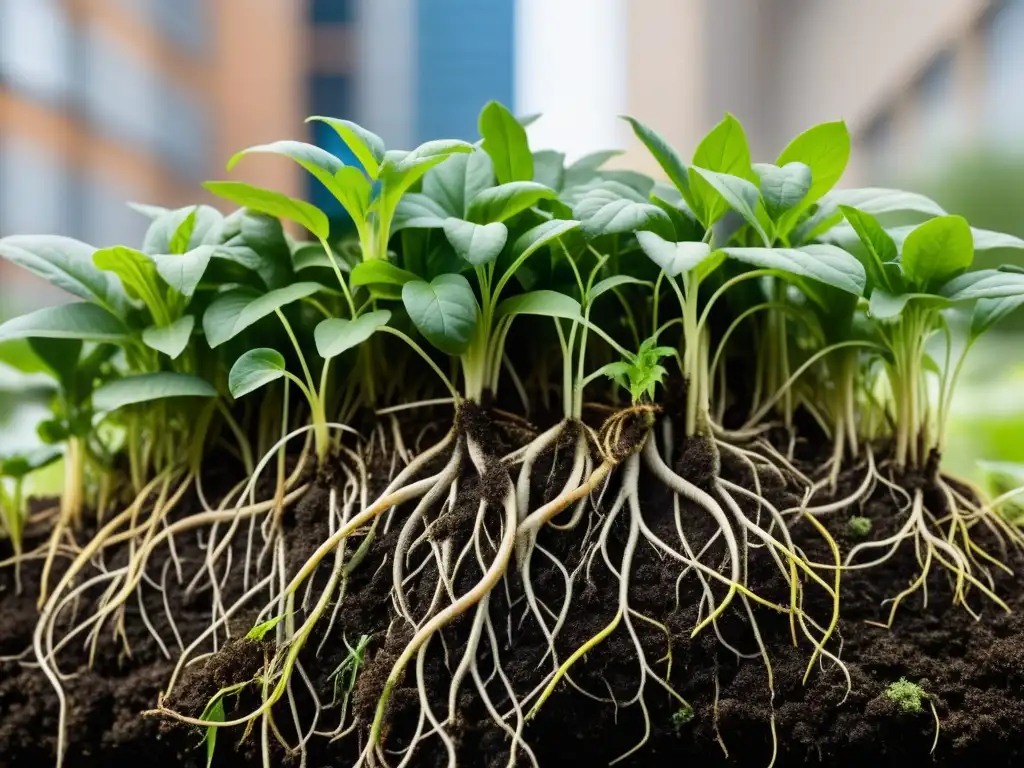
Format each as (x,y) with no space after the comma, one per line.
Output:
(13,504)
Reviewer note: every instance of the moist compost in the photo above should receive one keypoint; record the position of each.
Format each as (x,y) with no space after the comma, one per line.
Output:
(973,671)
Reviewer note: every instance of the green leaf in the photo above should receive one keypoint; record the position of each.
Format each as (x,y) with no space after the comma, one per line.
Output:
(549,168)
(214,713)
(380,272)
(79,320)
(147,387)
(336,335)
(273,204)
(587,167)
(444,311)
(23,464)
(366,146)
(666,157)
(546,303)
(61,356)
(739,194)
(478,244)
(168,224)
(458,180)
(825,149)
(984,239)
(613,208)
(611,283)
(673,258)
(256,242)
(183,234)
(937,250)
(255,369)
(879,244)
(260,631)
(185,271)
(988,312)
(537,237)
(234,311)
(504,201)
(138,276)
(724,151)
(66,263)
(352,189)
(879,200)
(886,306)
(782,189)
(984,284)
(825,263)
(506,143)
(418,211)
(317,161)
(170,339)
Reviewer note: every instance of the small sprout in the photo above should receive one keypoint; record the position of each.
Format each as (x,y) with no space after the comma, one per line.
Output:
(639,374)
(682,716)
(345,675)
(214,713)
(907,695)
(859,527)
(260,631)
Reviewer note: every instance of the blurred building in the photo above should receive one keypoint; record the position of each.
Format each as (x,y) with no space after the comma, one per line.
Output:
(103,101)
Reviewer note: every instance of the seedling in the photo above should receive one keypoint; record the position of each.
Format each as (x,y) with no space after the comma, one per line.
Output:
(908,697)
(859,527)
(682,717)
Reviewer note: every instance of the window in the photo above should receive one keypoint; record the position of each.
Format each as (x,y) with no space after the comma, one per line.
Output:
(332,11)
(119,93)
(1004,105)
(34,189)
(182,22)
(940,117)
(35,47)
(466,58)
(106,218)
(182,139)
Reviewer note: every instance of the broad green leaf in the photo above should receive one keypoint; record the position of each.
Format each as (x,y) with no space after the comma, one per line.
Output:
(614,208)
(255,369)
(611,283)
(400,170)
(169,224)
(366,146)
(739,194)
(549,168)
(886,306)
(257,242)
(137,273)
(260,631)
(879,244)
(183,272)
(825,263)
(458,180)
(984,239)
(62,357)
(273,204)
(879,200)
(988,312)
(353,190)
(478,244)
(825,149)
(444,311)
(546,303)
(316,160)
(170,339)
(151,212)
(232,312)
(724,151)
(380,272)
(537,237)
(337,335)
(984,284)
(78,320)
(183,234)
(500,203)
(586,168)
(418,211)
(937,251)
(312,256)
(673,258)
(783,189)
(506,143)
(431,153)
(147,387)
(638,182)
(23,464)
(665,156)
(66,263)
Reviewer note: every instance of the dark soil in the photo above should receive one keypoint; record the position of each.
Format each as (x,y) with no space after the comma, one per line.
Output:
(972,671)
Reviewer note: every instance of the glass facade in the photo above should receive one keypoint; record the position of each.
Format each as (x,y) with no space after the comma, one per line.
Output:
(1004,91)
(466,52)
(36,48)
